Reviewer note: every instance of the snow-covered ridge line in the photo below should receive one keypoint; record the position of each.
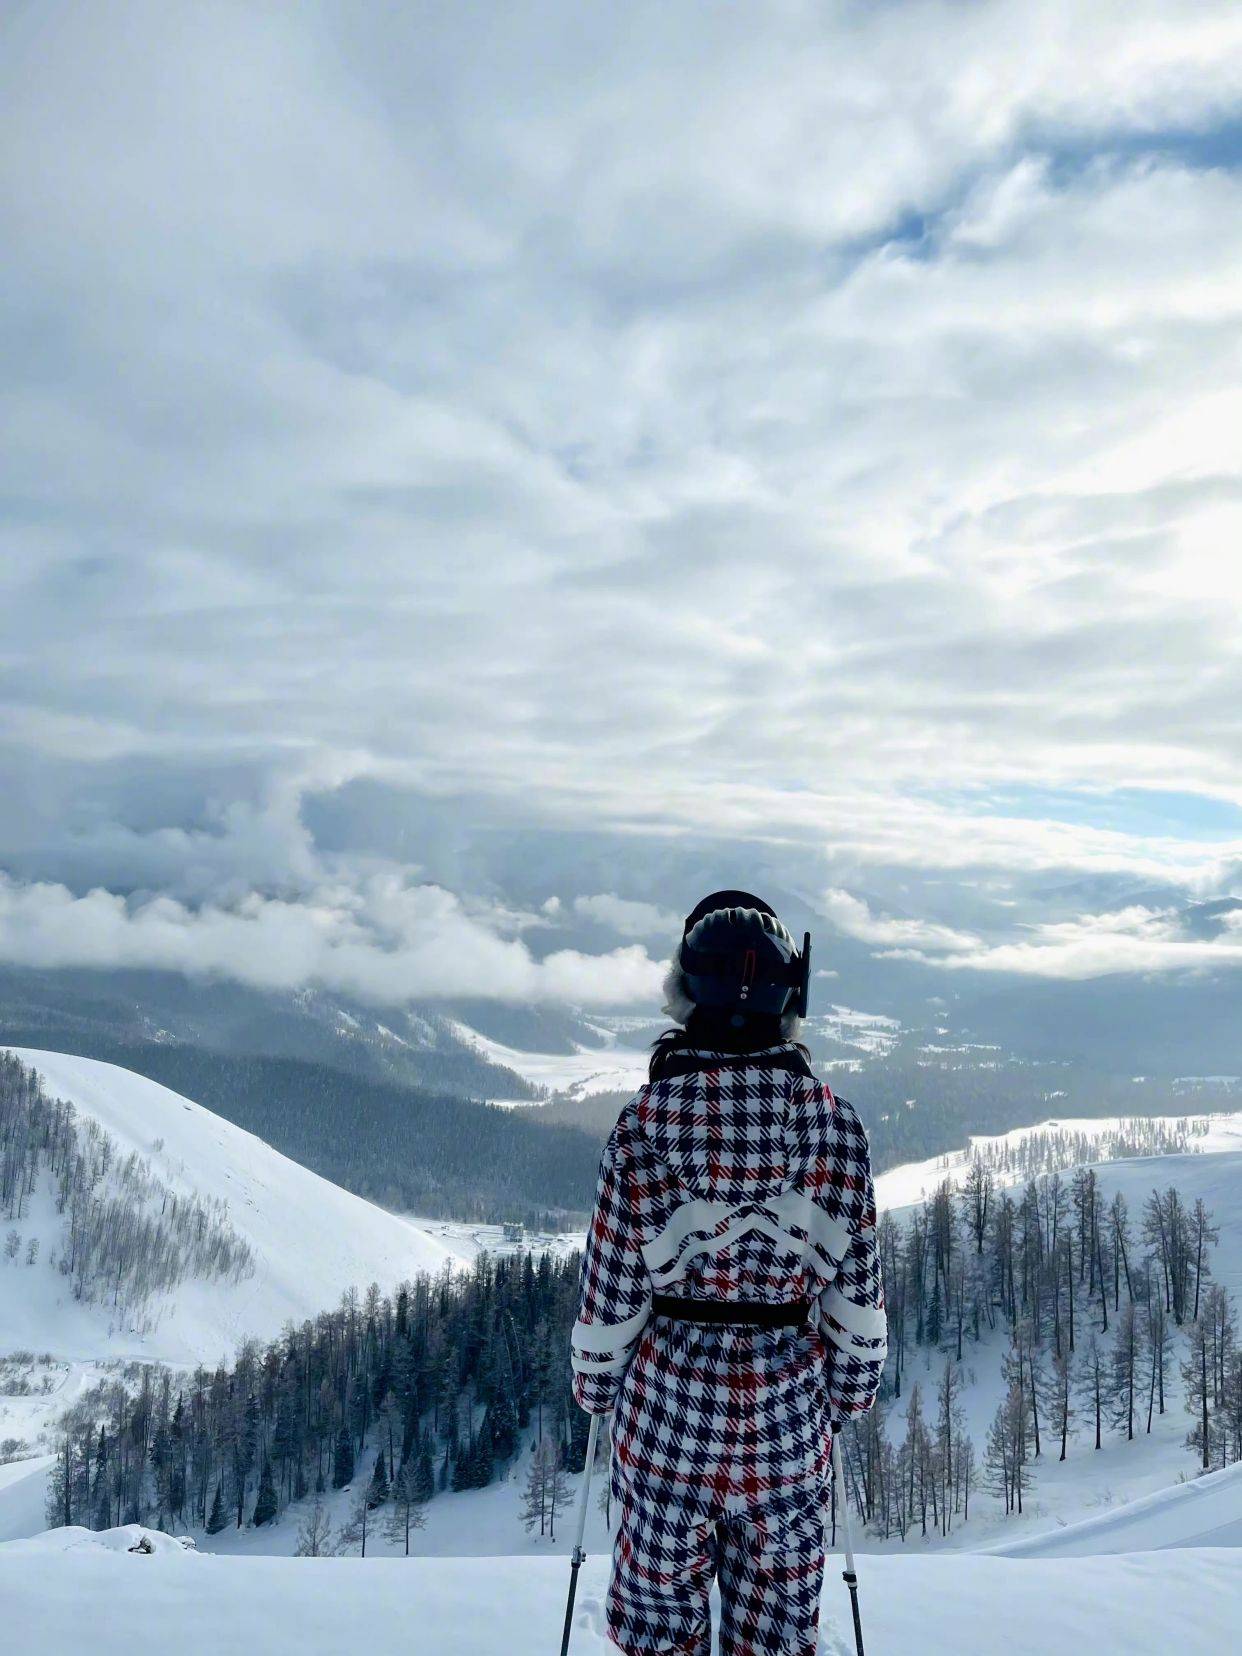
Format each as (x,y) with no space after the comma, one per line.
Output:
(1059,1143)
(586,1070)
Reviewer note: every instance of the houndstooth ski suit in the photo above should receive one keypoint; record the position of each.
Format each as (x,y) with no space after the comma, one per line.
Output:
(743,1179)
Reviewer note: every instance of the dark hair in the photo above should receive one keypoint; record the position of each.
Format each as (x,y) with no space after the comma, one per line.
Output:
(714,1029)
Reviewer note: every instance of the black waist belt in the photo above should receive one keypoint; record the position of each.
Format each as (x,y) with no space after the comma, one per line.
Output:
(732,1313)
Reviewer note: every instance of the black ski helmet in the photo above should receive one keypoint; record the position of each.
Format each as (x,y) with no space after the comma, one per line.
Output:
(737,956)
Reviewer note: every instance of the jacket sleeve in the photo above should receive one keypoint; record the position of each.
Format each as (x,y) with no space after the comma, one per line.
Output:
(851,1309)
(616,1288)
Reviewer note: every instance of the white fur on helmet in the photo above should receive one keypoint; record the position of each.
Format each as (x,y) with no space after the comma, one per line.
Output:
(679,1005)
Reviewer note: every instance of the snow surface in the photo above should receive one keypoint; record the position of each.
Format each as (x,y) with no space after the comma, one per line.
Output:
(615,1067)
(905,1186)
(311,1239)
(1203,1512)
(466,1240)
(23,1489)
(586,1070)
(1090,1482)
(60,1583)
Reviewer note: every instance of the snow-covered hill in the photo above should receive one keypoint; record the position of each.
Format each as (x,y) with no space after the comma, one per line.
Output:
(901,1187)
(170,1599)
(1090,1484)
(310,1239)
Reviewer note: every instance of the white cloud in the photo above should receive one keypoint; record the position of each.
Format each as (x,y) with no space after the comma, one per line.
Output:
(1134,940)
(849,914)
(627,917)
(784,435)
(387,943)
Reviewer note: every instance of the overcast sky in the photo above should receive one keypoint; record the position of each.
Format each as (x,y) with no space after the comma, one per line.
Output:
(469,474)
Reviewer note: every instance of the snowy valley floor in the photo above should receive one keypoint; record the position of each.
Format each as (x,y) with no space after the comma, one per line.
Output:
(68,1590)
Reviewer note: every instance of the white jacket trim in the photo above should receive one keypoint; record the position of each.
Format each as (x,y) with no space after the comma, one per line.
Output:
(667,1253)
(862,1322)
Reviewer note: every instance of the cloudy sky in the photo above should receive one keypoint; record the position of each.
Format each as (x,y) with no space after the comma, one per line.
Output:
(470,475)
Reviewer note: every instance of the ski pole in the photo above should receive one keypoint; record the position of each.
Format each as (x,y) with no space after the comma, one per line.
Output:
(575,1563)
(848,1574)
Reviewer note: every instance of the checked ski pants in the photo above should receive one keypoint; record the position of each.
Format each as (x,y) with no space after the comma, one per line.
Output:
(720,1470)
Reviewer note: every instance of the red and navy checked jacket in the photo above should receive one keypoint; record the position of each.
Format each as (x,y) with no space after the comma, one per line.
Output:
(746,1183)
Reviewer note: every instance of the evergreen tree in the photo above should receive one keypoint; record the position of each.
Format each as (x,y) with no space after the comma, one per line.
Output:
(217,1520)
(1196,1374)
(464,1467)
(343,1460)
(1122,1376)
(1061,1399)
(377,1494)
(482,1455)
(424,1473)
(1090,1385)
(265,1502)
(536,1494)
(1158,1339)
(935,1316)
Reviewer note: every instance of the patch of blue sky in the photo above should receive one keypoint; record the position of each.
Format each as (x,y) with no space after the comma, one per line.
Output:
(1068,152)
(1142,812)
(1214,145)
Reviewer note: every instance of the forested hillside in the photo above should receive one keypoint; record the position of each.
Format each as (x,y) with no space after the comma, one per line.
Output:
(431,1385)
(404,1148)
(1103,1318)
(1087,1320)
(916,1106)
(170,1165)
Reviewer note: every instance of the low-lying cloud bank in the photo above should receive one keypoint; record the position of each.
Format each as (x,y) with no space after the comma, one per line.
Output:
(1136,940)
(386,942)
(386,939)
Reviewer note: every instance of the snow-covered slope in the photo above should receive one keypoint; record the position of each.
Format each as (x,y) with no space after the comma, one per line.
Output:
(23,1492)
(611,1068)
(57,1584)
(1091,1484)
(1204,1512)
(903,1186)
(310,1239)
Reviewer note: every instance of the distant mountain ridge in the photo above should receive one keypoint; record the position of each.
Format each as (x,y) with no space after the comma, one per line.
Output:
(75,1010)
